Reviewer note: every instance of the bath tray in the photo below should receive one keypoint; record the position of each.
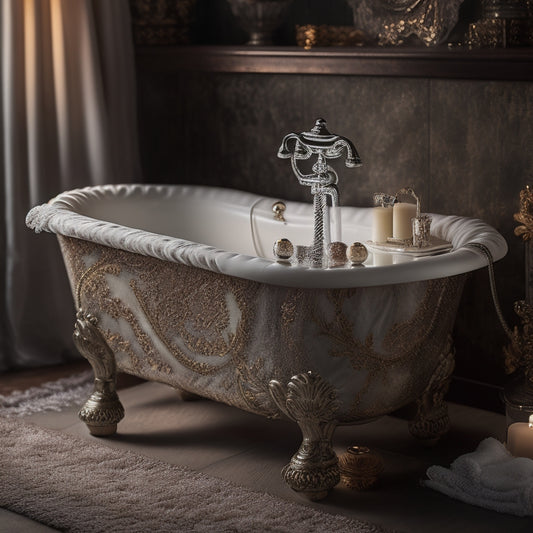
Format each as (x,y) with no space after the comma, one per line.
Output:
(437,246)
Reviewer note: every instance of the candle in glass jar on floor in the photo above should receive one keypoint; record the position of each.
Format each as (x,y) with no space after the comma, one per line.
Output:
(403,213)
(520,438)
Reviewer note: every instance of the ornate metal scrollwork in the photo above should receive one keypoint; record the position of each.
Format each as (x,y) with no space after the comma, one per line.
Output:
(312,403)
(525,215)
(519,352)
(395,22)
(103,410)
(432,420)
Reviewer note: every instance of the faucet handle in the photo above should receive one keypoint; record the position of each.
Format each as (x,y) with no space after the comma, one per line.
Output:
(322,143)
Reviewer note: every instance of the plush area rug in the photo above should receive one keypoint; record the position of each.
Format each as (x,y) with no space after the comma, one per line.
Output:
(78,486)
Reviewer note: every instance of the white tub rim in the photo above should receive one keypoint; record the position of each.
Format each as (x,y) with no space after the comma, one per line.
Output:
(61,215)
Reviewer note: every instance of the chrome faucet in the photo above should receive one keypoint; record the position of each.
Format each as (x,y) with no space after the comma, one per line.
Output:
(323,179)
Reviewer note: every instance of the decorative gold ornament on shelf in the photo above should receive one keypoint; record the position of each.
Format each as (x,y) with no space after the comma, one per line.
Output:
(397,22)
(161,22)
(309,36)
(504,24)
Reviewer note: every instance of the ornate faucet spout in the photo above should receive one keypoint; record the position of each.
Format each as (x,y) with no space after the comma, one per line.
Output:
(323,179)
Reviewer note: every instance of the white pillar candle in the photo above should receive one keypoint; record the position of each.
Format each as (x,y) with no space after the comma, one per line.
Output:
(381,223)
(520,438)
(402,227)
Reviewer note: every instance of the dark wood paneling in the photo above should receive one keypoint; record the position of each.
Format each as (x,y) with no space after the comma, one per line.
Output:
(497,64)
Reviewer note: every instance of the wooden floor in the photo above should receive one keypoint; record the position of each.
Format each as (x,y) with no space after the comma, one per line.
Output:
(33,377)
(250,450)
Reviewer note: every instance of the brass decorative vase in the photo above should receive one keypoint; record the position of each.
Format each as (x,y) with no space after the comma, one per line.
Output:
(260,18)
(504,24)
(360,467)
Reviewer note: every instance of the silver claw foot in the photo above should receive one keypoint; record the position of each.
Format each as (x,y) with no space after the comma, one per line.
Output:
(432,421)
(103,410)
(311,402)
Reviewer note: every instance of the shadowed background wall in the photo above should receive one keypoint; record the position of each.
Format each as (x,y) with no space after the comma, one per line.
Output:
(466,146)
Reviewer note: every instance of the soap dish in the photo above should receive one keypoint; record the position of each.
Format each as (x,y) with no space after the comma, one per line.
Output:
(436,246)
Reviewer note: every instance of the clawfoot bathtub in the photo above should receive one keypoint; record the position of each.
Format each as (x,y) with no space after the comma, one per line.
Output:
(177,284)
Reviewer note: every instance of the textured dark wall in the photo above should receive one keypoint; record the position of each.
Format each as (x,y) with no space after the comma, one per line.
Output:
(465,146)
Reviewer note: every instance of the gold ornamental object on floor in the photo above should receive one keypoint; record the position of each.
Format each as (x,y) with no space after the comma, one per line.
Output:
(360,467)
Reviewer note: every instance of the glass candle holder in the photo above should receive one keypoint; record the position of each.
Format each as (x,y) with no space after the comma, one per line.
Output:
(518,398)
(421,231)
(302,254)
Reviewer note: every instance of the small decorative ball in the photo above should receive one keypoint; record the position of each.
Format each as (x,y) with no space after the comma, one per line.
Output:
(337,254)
(360,467)
(357,253)
(283,250)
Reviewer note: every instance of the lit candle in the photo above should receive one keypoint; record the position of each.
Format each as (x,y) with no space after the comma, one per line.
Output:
(520,438)
(381,223)
(402,227)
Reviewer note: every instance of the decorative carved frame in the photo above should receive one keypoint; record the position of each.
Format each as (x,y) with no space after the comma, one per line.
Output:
(519,353)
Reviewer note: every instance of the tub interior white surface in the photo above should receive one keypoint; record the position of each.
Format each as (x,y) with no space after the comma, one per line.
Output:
(216,228)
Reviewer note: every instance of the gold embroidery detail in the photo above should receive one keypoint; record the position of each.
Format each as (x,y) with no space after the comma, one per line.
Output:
(403,341)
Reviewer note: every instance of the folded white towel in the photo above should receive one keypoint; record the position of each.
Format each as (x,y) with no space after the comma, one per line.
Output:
(490,477)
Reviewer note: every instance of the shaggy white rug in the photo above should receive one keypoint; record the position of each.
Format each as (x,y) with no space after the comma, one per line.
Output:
(79,486)
(51,396)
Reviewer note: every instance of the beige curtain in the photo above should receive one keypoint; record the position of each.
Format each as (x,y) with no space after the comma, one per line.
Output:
(67,115)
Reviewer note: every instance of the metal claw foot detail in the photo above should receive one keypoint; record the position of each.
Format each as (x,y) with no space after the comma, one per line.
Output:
(312,403)
(103,410)
(432,421)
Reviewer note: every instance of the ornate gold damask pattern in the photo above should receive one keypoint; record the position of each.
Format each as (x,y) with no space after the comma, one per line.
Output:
(419,337)
(432,420)
(187,308)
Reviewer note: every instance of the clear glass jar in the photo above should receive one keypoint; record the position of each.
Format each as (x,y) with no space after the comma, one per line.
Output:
(518,398)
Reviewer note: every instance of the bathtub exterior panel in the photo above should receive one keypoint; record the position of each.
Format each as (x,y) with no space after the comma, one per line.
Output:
(226,338)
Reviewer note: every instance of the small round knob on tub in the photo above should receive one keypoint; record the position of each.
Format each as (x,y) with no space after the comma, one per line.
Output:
(357,253)
(279,209)
(360,467)
(283,250)
(337,254)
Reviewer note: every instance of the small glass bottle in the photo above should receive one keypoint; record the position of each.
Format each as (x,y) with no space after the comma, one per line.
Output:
(421,231)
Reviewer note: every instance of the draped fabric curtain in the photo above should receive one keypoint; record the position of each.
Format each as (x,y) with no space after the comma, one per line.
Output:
(68,119)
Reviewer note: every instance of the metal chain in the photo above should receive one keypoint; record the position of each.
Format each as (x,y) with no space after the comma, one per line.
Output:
(490,264)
